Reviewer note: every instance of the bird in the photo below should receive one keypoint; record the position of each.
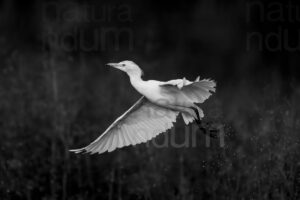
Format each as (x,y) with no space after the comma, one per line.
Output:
(155,112)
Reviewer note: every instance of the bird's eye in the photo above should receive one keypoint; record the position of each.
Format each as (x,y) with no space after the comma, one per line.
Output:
(123,65)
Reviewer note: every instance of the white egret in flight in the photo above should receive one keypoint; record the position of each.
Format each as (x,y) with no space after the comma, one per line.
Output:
(155,112)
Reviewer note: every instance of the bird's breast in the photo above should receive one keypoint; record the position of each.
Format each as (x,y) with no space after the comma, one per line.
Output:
(150,89)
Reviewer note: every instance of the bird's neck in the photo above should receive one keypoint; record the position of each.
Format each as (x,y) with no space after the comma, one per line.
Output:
(137,82)
(135,78)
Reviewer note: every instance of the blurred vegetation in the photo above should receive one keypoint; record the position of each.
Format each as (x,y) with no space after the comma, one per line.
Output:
(52,100)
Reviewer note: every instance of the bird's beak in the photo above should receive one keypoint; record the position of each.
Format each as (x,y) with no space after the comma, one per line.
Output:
(115,65)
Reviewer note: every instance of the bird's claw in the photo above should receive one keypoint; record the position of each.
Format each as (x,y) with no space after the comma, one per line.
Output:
(211,131)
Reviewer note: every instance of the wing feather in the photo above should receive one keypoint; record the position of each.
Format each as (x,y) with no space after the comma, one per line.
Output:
(123,138)
(116,141)
(136,135)
(112,144)
(197,91)
(140,123)
(147,133)
(128,136)
(107,144)
(120,141)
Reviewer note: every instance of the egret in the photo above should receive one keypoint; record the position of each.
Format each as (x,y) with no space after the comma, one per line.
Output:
(155,112)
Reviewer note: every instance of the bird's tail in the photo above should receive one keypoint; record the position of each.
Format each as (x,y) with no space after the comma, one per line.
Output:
(187,118)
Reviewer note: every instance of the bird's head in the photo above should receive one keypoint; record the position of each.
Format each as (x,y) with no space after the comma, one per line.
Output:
(129,67)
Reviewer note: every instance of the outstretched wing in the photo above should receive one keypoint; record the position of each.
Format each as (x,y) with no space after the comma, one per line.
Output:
(186,93)
(197,91)
(143,121)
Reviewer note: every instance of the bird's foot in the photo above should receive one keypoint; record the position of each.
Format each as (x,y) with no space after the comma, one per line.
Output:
(213,133)
(211,130)
(208,128)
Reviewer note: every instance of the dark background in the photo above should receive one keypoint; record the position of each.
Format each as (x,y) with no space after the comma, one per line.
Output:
(56,94)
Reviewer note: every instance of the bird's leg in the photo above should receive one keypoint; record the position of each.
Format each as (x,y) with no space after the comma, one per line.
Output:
(206,130)
(213,132)
(195,113)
